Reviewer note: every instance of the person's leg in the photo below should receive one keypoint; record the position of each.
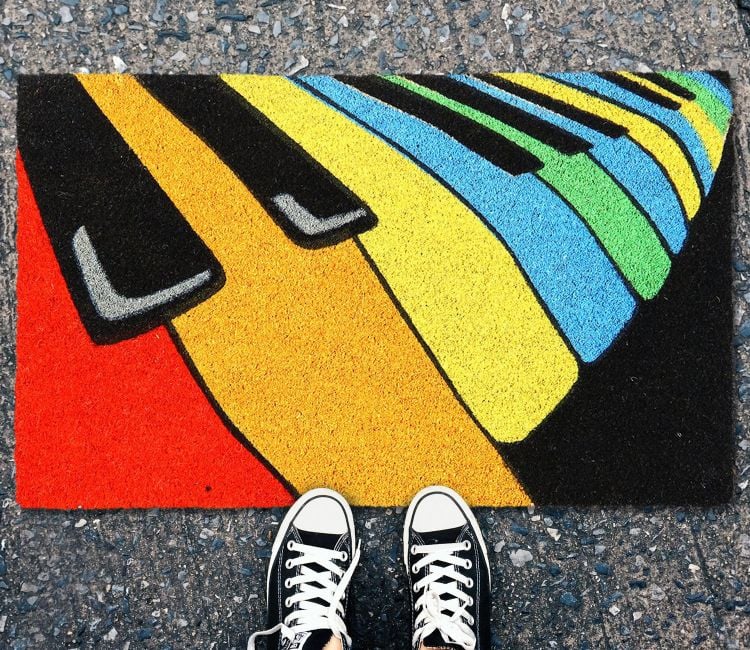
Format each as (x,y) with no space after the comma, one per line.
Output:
(312,561)
(449,574)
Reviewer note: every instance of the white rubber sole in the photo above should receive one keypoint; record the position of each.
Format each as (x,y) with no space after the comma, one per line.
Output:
(292,515)
(440,489)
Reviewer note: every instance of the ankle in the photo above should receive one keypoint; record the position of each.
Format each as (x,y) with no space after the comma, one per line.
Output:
(334,644)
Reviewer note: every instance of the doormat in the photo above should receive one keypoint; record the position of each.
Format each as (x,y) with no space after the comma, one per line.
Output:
(235,288)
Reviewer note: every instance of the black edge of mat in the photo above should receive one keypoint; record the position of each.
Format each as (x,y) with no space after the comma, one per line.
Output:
(652,421)
(723,76)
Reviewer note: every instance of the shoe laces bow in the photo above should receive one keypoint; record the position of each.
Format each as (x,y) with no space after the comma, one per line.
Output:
(318,601)
(442,604)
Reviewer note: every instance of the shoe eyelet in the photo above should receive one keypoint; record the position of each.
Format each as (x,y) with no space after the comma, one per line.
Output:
(290,545)
(288,564)
(287,602)
(415,589)
(467,545)
(468,564)
(288,583)
(471,601)
(470,583)
(413,549)
(344,556)
(471,620)
(413,568)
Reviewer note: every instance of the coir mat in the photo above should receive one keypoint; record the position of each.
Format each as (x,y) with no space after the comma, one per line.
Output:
(235,288)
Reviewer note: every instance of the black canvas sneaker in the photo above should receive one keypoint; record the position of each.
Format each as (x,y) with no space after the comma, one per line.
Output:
(449,573)
(312,561)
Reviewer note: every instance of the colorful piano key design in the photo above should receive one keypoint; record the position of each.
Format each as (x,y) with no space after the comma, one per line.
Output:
(235,288)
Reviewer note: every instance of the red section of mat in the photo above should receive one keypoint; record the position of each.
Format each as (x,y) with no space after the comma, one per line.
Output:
(114,426)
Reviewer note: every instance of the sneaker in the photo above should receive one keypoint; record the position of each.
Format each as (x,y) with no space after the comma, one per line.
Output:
(312,561)
(449,573)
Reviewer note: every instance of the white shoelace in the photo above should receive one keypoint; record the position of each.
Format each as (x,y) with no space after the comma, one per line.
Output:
(442,605)
(314,585)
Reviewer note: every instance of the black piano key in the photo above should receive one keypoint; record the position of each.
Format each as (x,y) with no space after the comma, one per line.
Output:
(600,124)
(668,85)
(490,145)
(280,174)
(550,134)
(640,90)
(129,258)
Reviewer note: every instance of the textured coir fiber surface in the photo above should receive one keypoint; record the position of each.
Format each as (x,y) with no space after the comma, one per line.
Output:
(235,288)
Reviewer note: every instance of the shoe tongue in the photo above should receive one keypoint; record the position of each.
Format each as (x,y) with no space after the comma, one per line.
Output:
(445,536)
(321,540)
(315,640)
(435,641)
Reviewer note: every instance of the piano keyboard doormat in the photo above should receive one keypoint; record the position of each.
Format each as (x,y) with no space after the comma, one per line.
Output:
(235,288)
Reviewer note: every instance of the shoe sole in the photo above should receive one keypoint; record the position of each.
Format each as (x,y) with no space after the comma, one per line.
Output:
(292,514)
(440,489)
